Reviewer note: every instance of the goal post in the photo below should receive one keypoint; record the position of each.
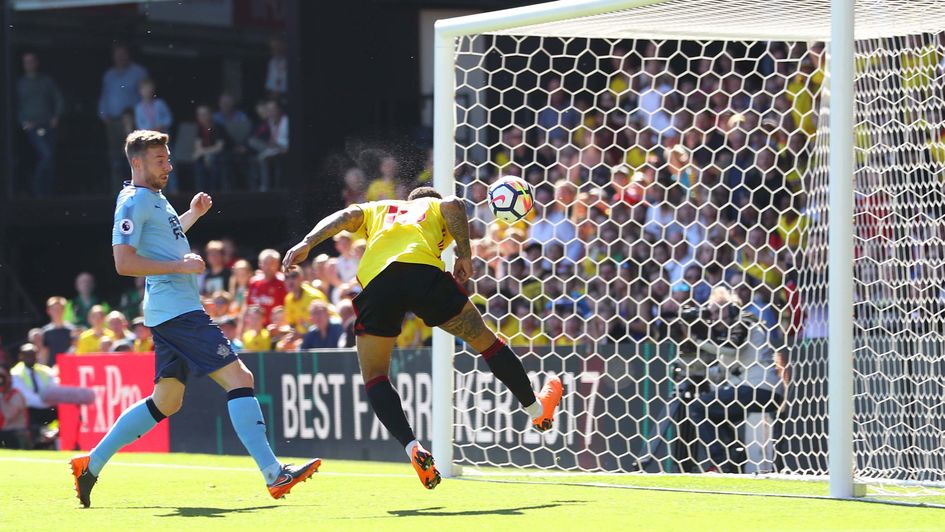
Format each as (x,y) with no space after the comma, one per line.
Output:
(781,162)
(840,258)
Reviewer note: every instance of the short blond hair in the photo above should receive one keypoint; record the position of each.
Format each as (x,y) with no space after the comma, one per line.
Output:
(137,142)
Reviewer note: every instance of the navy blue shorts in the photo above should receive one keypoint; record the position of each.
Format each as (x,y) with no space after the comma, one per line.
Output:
(189,344)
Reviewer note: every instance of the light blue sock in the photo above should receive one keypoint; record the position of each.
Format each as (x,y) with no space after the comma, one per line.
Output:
(249,425)
(133,423)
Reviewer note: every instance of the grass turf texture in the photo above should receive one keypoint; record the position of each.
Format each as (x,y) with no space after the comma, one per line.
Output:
(177,491)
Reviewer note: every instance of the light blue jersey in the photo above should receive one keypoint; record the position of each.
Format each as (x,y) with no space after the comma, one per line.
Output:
(145,220)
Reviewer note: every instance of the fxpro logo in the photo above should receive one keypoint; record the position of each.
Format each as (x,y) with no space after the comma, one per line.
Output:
(112,397)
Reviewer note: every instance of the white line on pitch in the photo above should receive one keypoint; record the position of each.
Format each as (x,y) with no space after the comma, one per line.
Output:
(196,467)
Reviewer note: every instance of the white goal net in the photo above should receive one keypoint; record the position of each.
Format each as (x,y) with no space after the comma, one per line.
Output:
(680,147)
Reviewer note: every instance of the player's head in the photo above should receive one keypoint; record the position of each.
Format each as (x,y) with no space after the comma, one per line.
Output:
(269,261)
(96,316)
(424,192)
(318,313)
(293,279)
(150,158)
(28,353)
(56,307)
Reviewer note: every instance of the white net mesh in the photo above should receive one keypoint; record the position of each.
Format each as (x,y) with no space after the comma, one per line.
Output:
(664,169)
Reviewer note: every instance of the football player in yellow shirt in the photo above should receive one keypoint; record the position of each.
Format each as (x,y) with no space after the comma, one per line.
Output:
(401,271)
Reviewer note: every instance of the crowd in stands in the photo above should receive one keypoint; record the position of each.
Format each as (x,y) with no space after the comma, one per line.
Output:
(218,145)
(657,190)
(648,195)
(256,305)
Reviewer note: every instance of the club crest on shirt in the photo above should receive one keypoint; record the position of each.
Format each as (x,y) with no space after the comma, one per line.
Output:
(223,350)
(126,226)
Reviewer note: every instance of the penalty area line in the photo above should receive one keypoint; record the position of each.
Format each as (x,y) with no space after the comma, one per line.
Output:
(198,468)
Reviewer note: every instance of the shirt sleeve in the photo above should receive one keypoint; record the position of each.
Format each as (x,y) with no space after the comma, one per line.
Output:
(130,216)
(367,218)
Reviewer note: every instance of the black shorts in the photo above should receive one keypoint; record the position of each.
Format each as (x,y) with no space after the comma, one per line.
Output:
(430,293)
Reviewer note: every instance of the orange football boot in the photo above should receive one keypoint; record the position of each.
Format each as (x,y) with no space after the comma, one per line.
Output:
(422,462)
(292,475)
(83,478)
(549,397)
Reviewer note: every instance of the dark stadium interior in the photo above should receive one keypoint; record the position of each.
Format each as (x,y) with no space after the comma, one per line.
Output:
(358,81)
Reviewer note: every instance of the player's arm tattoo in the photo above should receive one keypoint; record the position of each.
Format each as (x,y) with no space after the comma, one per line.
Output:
(454,213)
(466,325)
(349,219)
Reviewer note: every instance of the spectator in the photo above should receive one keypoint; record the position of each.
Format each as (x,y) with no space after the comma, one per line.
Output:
(558,118)
(347,265)
(255,336)
(237,128)
(208,150)
(118,325)
(229,329)
(216,277)
(220,304)
(132,300)
(384,187)
(325,270)
(14,415)
(236,123)
(35,337)
(298,299)
(414,332)
(143,343)
(78,309)
(39,105)
(97,338)
(277,72)
(270,149)
(324,332)
(347,316)
(239,284)
(555,226)
(119,92)
(31,379)
(58,333)
(354,186)
(152,112)
(267,288)
(754,382)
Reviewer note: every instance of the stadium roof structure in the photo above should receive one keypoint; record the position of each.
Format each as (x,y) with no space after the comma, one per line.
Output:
(768,20)
(32,5)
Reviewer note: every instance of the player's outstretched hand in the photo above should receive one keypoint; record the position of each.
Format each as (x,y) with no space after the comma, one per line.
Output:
(193,263)
(297,254)
(201,203)
(463,269)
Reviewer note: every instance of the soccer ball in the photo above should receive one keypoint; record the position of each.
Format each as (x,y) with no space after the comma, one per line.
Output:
(510,198)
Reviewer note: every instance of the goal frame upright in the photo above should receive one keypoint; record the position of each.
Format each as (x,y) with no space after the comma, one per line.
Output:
(840,72)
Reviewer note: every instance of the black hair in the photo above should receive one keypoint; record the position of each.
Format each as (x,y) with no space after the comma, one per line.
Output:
(424,192)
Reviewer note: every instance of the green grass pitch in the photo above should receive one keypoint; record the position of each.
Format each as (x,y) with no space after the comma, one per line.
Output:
(200,492)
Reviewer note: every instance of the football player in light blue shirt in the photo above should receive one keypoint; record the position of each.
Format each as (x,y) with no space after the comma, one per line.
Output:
(149,239)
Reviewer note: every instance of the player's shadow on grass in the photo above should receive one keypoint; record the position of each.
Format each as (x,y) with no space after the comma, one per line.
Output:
(198,511)
(434,511)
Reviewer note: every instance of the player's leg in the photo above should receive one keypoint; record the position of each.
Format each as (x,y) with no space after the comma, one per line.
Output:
(137,420)
(249,424)
(133,423)
(374,354)
(506,366)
